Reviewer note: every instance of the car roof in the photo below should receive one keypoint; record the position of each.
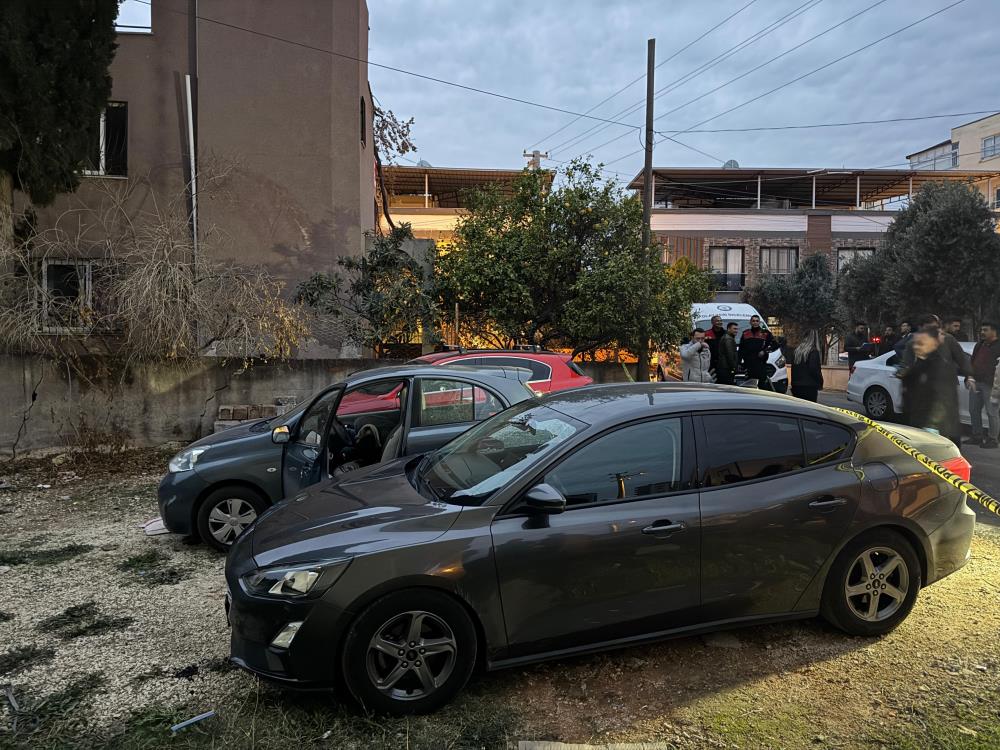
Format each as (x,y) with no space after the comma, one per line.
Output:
(508,386)
(606,405)
(527,353)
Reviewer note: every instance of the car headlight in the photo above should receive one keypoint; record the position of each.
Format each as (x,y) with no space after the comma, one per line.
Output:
(186,459)
(294,582)
(781,362)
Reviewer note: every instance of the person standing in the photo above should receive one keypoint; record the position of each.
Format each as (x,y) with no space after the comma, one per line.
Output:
(713,337)
(755,344)
(984,365)
(725,368)
(930,398)
(953,326)
(856,345)
(903,342)
(697,358)
(888,342)
(807,368)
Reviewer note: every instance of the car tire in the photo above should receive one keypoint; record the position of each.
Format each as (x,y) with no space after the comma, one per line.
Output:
(225,513)
(378,649)
(878,403)
(860,604)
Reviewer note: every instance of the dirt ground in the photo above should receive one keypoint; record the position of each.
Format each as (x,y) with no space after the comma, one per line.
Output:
(108,637)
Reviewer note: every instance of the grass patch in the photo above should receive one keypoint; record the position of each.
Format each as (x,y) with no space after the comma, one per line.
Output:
(24,657)
(265,718)
(43,556)
(82,620)
(55,721)
(958,729)
(738,720)
(151,568)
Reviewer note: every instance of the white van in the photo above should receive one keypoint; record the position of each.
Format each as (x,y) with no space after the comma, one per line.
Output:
(738,312)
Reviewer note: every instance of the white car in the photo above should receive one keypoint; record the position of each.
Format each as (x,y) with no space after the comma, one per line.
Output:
(875,386)
(740,313)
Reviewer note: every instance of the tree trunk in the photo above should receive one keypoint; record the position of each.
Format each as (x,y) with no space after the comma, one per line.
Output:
(6,212)
(642,366)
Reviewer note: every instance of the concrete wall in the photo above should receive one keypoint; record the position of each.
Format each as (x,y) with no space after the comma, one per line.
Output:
(149,405)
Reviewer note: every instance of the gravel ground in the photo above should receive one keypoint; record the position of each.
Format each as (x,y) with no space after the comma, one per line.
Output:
(145,641)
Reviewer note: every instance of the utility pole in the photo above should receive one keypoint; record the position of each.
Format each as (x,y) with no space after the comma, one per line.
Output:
(535,158)
(642,365)
(647,172)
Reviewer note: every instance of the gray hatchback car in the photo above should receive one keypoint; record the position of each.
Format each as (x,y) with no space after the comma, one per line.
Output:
(218,485)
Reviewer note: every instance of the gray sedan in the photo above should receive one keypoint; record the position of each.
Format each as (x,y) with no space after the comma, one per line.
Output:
(218,485)
(591,519)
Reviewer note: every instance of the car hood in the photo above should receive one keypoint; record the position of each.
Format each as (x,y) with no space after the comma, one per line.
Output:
(254,429)
(366,511)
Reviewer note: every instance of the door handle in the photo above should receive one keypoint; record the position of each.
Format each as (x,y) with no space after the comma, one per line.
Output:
(827,502)
(663,527)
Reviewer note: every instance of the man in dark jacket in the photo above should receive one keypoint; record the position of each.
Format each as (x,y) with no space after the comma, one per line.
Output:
(856,345)
(888,342)
(930,398)
(725,369)
(713,336)
(954,327)
(984,366)
(755,345)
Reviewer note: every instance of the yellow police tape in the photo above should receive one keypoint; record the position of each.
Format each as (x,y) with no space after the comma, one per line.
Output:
(987,501)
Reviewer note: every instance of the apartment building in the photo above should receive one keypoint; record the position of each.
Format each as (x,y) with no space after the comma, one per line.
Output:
(741,222)
(973,146)
(432,199)
(243,95)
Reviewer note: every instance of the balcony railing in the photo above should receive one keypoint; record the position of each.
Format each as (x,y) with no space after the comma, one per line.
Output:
(729,282)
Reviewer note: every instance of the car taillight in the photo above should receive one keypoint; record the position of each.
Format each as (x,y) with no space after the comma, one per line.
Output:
(959,466)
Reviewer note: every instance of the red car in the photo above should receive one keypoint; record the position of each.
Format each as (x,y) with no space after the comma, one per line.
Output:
(550,371)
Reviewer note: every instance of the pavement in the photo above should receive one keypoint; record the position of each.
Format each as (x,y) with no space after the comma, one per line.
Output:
(985,463)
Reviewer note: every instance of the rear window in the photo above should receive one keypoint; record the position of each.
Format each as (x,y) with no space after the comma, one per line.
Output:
(746,447)
(826,442)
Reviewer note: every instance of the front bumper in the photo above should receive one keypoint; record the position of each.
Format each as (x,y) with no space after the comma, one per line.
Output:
(951,543)
(311,662)
(176,496)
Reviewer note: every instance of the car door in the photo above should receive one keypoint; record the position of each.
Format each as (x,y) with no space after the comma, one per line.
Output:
(444,408)
(778,494)
(303,464)
(622,560)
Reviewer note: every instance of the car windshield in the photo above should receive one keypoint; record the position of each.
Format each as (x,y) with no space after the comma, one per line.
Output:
(479,462)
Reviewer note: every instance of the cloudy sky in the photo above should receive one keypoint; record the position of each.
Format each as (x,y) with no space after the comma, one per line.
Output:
(572,55)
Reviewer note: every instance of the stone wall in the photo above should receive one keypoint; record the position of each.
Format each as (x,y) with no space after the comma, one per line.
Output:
(42,405)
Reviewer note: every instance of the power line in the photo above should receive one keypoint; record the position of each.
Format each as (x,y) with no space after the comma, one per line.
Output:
(696,71)
(639,78)
(916,118)
(806,75)
(403,71)
(764,64)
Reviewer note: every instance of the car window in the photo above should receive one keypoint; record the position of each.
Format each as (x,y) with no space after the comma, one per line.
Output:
(825,442)
(539,370)
(641,460)
(444,401)
(485,458)
(315,419)
(744,447)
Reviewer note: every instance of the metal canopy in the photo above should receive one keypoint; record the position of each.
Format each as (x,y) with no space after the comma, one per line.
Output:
(835,188)
(445,181)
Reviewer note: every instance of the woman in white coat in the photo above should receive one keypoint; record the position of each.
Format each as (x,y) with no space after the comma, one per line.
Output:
(696,357)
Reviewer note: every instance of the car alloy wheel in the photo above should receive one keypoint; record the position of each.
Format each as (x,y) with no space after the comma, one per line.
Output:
(411,655)
(877,584)
(228,518)
(877,403)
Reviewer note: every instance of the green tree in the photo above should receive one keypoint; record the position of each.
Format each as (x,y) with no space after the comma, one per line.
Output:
(942,254)
(54,82)
(384,296)
(564,266)
(803,300)
(862,295)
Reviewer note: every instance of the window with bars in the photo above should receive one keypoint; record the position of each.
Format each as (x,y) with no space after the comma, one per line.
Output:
(109,154)
(991,146)
(779,260)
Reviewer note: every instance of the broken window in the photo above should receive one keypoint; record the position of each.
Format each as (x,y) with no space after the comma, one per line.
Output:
(67,293)
(109,155)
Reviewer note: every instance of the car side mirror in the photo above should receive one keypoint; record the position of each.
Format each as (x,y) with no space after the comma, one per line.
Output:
(281,434)
(545,498)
